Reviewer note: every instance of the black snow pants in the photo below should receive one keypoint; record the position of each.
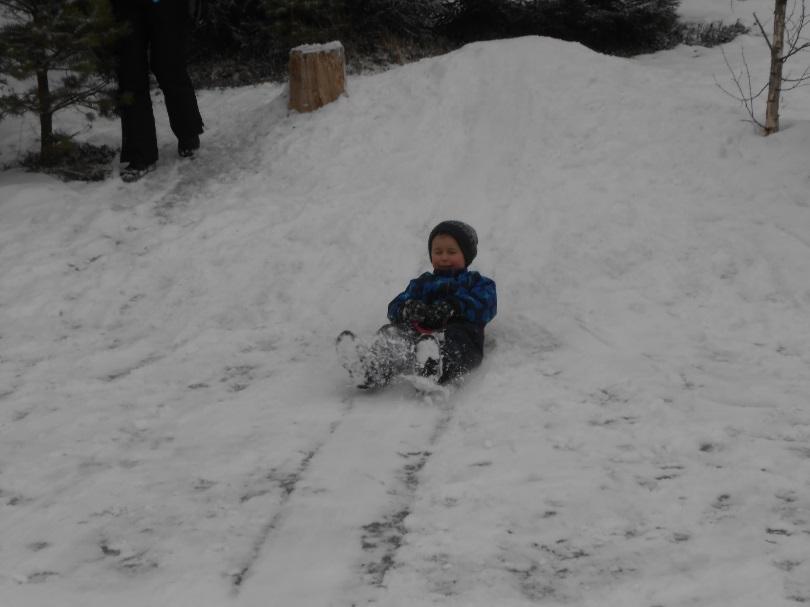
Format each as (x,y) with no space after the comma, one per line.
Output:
(156,39)
(463,350)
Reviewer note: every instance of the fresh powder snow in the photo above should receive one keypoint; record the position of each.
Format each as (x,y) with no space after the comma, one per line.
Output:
(175,429)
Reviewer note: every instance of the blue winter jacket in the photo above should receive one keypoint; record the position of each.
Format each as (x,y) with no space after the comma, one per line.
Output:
(472,295)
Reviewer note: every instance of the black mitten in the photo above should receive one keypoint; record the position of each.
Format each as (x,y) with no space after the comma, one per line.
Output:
(438,314)
(413,310)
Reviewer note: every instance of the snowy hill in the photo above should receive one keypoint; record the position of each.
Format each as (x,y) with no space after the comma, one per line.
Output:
(174,429)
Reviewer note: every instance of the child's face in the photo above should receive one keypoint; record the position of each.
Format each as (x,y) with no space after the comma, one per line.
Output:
(445,254)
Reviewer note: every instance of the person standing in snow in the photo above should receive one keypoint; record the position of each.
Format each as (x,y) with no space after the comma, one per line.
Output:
(437,322)
(156,35)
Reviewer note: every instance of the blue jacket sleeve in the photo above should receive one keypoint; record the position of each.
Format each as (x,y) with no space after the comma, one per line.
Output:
(476,299)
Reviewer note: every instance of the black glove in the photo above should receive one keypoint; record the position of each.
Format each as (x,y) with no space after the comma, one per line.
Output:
(438,314)
(413,310)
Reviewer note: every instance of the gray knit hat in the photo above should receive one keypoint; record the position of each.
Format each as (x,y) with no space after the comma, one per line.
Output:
(464,234)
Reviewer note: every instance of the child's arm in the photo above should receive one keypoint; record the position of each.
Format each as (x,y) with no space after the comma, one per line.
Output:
(476,300)
(413,291)
(473,298)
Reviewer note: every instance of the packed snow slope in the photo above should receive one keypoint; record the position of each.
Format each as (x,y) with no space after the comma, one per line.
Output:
(175,430)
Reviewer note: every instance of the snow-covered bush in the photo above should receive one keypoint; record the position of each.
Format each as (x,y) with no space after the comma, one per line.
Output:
(710,34)
(72,160)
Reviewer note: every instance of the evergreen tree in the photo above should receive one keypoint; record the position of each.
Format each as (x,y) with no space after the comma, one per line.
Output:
(404,19)
(297,22)
(61,51)
(630,25)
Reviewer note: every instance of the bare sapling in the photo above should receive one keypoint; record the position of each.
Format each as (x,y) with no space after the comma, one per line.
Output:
(786,41)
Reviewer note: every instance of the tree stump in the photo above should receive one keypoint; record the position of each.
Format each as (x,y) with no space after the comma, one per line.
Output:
(317,75)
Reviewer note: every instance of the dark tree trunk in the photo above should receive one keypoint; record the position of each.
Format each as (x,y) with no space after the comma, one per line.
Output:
(775,81)
(45,112)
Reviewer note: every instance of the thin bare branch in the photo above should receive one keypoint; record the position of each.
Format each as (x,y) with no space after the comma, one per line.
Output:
(78,98)
(795,51)
(795,83)
(745,98)
(794,28)
(762,29)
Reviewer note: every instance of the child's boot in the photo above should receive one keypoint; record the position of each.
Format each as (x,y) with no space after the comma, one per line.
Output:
(368,365)
(429,357)
(351,354)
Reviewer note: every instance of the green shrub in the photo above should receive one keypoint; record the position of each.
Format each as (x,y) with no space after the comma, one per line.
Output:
(709,34)
(72,161)
(253,37)
(609,26)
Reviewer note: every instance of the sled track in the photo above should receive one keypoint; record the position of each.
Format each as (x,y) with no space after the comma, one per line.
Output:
(342,514)
(288,486)
(382,539)
(261,539)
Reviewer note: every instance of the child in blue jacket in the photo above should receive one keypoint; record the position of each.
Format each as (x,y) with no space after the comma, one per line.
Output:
(437,322)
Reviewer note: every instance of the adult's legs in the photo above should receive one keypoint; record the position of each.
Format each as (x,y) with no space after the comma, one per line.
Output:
(169,28)
(138,137)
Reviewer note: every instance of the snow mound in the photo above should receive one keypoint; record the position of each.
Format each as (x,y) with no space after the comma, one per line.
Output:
(175,429)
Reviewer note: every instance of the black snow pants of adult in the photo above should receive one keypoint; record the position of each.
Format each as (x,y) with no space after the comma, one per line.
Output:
(156,39)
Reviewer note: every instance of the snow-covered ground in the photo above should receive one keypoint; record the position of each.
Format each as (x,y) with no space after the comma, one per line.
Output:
(175,430)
